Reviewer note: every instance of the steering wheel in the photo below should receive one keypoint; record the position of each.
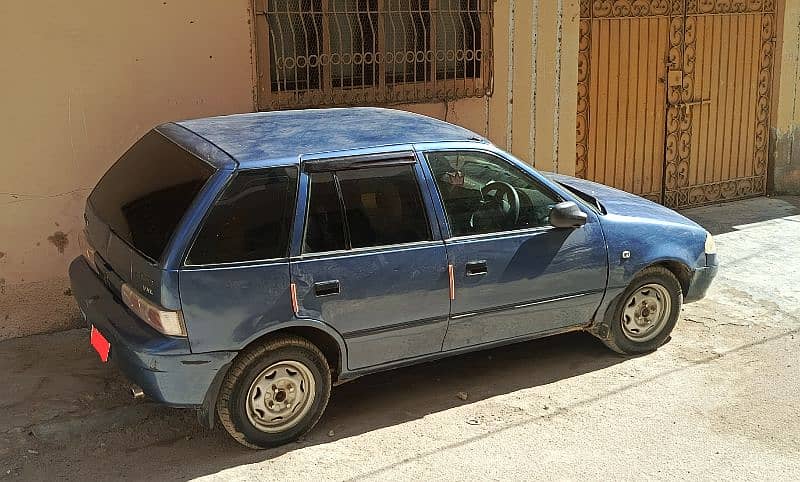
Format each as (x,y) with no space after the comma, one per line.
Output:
(504,192)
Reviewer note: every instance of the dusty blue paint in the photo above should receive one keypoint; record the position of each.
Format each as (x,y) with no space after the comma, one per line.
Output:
(393,307)
(263,138)
(164,367)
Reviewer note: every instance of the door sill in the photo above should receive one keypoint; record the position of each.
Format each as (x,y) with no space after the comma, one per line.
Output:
(350,375)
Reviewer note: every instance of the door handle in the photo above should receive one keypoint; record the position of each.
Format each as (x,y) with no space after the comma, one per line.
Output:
(477,268)
(327,288)
(686,105)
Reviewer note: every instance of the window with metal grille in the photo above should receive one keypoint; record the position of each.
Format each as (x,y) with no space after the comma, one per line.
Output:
(351,52)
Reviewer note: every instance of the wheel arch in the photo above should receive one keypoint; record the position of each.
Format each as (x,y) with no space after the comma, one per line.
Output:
(321,335)
(678,268)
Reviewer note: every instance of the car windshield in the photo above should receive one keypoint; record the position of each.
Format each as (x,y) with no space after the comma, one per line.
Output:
(144,195)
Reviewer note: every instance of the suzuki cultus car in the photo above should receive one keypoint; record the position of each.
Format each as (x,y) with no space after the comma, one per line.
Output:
(242,265)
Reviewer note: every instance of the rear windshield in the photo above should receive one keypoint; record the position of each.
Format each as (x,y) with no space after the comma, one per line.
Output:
(144,195)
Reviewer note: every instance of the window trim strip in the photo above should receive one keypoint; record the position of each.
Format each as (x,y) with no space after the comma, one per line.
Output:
(386,159)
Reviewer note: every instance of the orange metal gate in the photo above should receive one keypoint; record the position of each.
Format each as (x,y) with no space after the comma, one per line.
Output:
(673,97)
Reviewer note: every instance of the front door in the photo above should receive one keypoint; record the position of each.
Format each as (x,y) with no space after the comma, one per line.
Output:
(371,264)
(514,274)
(674,97)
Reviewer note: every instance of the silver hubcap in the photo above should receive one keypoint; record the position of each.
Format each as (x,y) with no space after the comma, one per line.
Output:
(280,396)
(646,312)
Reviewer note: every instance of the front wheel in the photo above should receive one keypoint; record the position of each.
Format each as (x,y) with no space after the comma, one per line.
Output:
(274,392)
(646,312)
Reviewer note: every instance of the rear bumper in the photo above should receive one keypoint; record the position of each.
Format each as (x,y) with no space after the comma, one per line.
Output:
(162,366)
(700,282)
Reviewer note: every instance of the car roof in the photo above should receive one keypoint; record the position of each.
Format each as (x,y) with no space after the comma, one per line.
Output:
(280,137)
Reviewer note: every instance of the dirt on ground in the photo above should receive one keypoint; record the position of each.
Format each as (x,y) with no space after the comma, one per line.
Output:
(721,400)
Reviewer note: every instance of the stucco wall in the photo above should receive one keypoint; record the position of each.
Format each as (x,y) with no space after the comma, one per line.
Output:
(785,130)
(81,81)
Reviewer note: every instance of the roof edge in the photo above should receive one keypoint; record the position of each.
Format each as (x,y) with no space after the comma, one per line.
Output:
(197,145)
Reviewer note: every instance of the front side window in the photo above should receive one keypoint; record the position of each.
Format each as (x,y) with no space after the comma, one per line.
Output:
(482,193)
(251,220)
(341,52)
(382,206)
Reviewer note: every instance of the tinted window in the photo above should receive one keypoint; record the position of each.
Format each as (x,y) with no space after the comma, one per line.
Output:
(251,221)
(383,206)
(147,191)
(325,225)
(480,191)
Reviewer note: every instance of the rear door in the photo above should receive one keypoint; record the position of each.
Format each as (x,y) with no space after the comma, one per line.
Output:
(369,261)
(514,273)
(234,284)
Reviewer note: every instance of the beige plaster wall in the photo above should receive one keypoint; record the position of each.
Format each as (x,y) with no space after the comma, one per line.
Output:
(785,130)
(81,81)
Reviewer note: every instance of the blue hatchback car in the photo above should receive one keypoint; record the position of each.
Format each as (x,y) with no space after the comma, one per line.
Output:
(242,265)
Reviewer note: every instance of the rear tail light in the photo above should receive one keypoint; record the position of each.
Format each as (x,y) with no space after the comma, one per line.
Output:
(165,321)
(87,250)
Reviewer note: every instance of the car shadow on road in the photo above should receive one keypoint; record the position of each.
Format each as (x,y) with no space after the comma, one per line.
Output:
(119,435)
(402,395)
(732,216)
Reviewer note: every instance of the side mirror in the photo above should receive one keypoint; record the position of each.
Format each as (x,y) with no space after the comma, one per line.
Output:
(567,215)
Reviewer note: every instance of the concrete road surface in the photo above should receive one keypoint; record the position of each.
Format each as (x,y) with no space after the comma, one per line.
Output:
(720,400)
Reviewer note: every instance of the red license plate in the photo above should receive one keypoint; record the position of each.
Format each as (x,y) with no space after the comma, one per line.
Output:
(100,344)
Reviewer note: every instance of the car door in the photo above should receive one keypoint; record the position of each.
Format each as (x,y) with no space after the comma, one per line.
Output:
(370,263)
(514,273)
(234,284)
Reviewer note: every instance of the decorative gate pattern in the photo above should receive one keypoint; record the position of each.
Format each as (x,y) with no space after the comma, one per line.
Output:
(674,97)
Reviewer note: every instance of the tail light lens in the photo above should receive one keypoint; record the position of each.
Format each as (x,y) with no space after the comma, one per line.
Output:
(87,250)
(166,322)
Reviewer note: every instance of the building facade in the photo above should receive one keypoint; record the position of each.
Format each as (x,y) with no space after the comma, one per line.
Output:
(685,101)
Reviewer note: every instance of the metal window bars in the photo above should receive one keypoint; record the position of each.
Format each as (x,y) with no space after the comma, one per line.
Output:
(355,52)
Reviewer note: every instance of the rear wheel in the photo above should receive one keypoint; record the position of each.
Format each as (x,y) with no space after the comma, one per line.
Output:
(274,392)
(646,312)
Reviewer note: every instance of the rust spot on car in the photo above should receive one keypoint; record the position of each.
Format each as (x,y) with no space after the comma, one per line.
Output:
(2,286)
(2,255)
(59,240)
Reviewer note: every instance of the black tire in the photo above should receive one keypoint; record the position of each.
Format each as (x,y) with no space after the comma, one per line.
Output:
(617,339)
(232,402)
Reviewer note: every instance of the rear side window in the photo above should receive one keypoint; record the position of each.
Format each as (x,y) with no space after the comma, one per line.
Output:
(382,206)
(144,195)
(251,221)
